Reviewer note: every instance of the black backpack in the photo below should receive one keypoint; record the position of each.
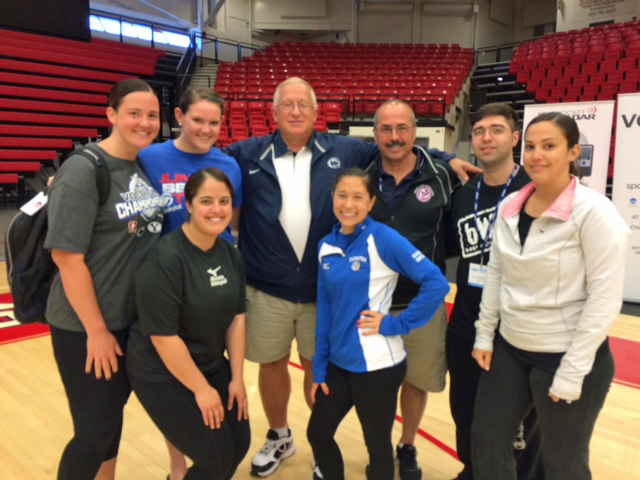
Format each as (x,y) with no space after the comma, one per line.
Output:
(30,268)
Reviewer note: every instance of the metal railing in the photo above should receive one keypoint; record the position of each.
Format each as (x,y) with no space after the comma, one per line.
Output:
(496,53)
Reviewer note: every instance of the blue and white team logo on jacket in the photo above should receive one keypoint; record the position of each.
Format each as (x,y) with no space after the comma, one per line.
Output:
(334,162)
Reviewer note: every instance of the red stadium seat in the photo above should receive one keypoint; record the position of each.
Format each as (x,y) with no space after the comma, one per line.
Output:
(626,64)
(522,76)
(320,124)
(547,83)
(572,70)
(590,90)
(574,91)
(332,112)
(259,130)
(541,95)
(628,86)
(589,68)
(615,77)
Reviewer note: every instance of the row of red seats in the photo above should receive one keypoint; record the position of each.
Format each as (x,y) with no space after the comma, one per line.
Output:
(455,77)
(586,65)
(359,60)
(363,46)
(585,93)
(446,94)
(602,69)
(578,47)
(433,74)
(359,57)
(331,110)
(238,130)
(627,85)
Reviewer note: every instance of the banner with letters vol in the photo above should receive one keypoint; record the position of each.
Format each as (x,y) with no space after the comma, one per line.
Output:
(594,120)
(626,185)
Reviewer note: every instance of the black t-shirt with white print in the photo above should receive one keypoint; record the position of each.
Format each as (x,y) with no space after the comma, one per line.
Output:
(466,238)
(181,290)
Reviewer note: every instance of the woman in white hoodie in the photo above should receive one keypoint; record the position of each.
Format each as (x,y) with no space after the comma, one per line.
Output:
(552,291)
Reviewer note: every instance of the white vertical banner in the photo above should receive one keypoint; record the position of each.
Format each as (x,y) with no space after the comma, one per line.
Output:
(626,185)
(594,120)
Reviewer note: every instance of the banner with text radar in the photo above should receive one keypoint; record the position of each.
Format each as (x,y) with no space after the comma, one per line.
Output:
(594,120)
(626,185)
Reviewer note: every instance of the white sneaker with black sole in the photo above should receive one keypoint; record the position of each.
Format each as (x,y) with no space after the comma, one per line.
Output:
(274,450)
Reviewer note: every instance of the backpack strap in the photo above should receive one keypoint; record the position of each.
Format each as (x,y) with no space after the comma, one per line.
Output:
(103,177)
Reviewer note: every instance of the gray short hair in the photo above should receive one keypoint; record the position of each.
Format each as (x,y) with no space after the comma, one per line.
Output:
(289,81)
(395,101)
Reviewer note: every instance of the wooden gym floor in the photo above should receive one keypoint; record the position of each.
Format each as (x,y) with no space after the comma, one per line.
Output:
(35,425)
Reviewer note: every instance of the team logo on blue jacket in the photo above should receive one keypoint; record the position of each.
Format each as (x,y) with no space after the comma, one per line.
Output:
(356,262)
(334,162)
(424,193)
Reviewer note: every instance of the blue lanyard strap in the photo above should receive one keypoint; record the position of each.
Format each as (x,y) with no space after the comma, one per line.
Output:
(492,219)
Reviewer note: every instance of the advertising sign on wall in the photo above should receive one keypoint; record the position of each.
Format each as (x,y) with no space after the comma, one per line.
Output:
(598,10)
(626,185)
(594,120)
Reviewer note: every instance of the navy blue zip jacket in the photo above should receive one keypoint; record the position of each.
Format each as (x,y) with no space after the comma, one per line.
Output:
(272,265)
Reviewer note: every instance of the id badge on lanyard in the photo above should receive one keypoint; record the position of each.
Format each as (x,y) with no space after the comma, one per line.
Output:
(478,271)
(477,275)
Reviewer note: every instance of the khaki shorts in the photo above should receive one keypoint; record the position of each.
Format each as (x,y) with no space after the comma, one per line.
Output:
(426,358)
(273,323)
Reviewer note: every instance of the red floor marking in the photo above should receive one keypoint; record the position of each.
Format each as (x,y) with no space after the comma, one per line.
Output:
(442,446)
(626,384)
(23,332)
(299,367)
(627,358)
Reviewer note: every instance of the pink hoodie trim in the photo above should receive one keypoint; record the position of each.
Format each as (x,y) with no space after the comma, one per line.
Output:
(560,209)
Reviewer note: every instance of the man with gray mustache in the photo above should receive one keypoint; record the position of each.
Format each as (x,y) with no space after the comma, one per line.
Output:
(414,192)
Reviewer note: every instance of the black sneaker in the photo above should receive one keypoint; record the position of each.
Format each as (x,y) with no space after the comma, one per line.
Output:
(408,463)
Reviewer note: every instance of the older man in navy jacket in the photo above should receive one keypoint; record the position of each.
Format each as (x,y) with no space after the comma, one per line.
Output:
(287,182)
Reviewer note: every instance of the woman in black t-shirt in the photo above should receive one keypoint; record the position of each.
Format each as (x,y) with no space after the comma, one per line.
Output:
(190,294)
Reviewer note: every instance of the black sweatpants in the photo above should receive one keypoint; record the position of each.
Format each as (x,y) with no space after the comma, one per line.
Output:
(464,374)
(375,396)
(96,405)
(215,453)
(509,390)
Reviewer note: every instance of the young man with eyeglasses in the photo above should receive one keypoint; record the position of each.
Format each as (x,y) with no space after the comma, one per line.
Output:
(470,223)
(414,193)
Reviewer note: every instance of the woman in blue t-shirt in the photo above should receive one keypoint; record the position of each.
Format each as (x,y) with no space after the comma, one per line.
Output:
(360,358)
(168,165)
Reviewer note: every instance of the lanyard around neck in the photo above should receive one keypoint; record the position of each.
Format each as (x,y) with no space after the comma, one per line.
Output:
(492,219)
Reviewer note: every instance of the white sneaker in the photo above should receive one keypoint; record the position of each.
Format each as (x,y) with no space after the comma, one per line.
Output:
(317,474)
(274,450)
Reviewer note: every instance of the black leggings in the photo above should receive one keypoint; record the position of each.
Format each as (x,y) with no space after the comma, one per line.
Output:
(464,373)
(96,405)
(375,396)
(514,384)
(215,453)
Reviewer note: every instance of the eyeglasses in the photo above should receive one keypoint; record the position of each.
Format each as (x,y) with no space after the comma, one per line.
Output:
(289,106)
(401,129)
(494,131)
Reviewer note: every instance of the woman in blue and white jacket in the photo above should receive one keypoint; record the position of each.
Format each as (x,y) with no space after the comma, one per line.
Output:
(359,357)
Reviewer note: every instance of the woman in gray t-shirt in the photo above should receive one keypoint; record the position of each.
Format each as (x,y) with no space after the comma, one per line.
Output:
(96,246)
